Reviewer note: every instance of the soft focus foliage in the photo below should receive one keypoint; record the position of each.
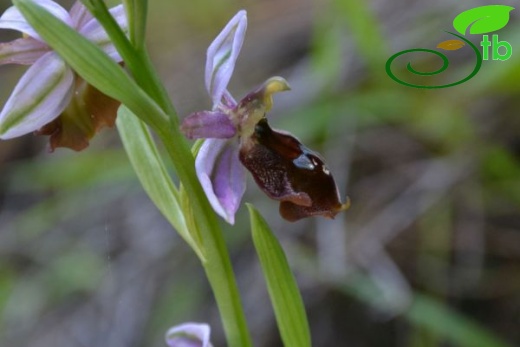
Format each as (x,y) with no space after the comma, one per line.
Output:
(434,178)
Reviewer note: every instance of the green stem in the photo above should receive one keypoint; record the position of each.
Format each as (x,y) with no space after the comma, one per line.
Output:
(136,14)
(218,264)
(136,59)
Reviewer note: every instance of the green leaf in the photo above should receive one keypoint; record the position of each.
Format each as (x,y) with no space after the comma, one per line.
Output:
(283,290)
(191,221)
(136,11)
(152,173)
(91,63)
(134,53)
(483,19)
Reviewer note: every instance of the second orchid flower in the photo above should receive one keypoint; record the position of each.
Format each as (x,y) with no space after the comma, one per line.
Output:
(50,98)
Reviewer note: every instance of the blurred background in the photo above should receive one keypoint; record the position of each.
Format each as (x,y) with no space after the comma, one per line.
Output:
(427,256)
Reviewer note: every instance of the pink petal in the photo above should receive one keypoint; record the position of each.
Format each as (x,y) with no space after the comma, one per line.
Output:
(227,100)
(40,96)
(222,176)
(208,124)
(95,32)
(79,15)
(13,18)
(222,55)
(189,335)
(22,51)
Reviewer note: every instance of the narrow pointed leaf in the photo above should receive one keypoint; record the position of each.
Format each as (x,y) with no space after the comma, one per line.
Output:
(191,220)
(483,19)
(113,25)
(136,59)
(283,290)
(152,173)
(186,204)
(136,11)
(91,63)
(96,33)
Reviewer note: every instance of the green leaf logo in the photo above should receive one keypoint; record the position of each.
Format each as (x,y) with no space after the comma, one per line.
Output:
(483,19)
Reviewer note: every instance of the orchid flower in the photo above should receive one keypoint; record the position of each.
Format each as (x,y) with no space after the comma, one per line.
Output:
(218,167)
(189,335)
(217,164)
(49,85)
(239,136)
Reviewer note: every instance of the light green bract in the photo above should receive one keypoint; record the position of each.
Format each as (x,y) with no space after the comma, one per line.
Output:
(283,290)
(152,172)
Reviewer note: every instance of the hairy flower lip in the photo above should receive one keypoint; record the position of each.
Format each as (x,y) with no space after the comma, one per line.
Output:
(287,171)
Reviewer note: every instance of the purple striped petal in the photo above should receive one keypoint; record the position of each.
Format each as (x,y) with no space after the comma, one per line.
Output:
(22,51)
(95,32)
(222,55)
(189,335)
(40,96)
(208,124)
(222,176)
(79,15)
(13,18)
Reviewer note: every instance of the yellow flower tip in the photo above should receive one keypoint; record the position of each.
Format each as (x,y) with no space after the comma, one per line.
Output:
(276,84)
(273,85)
(346,205)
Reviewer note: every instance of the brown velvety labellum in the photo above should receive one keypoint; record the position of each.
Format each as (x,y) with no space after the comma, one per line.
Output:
(288,171)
